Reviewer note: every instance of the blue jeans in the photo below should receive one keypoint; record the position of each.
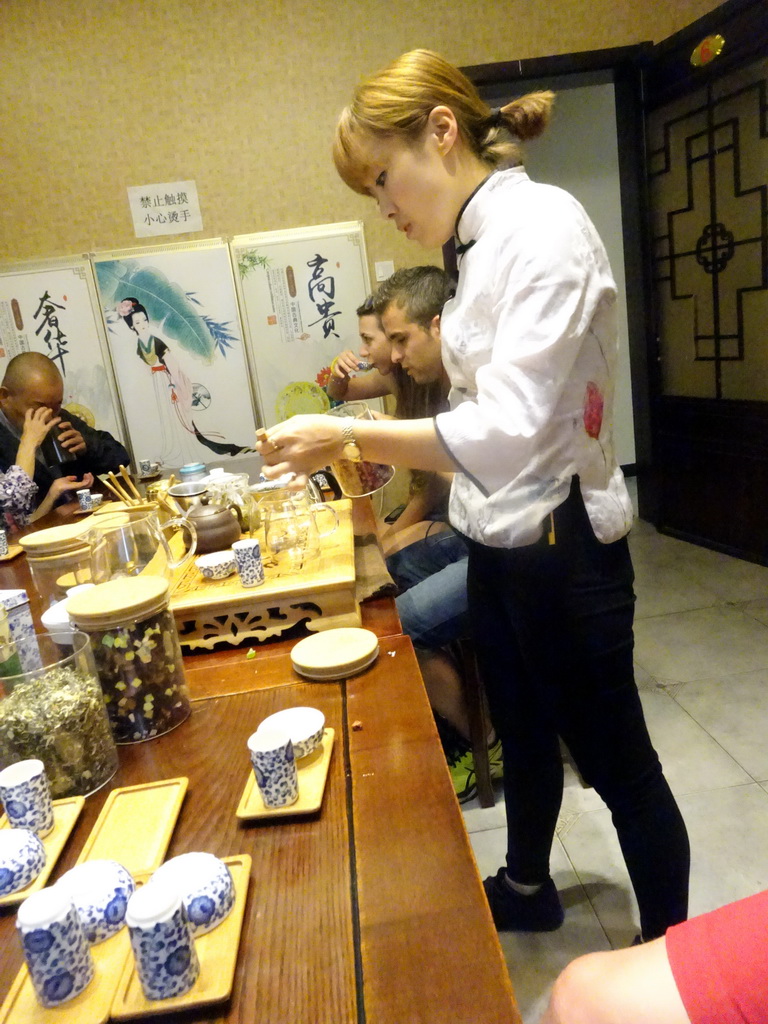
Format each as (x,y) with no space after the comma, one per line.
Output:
(432,573)
(553,634)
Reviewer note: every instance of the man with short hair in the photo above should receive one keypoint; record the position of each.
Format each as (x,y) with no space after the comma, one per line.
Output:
(432,572)
(32,381)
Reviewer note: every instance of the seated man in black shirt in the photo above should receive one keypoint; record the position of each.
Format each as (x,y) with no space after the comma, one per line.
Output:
(31,381)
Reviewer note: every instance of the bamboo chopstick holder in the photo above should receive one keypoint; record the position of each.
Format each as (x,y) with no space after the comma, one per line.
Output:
(124,496)
(132,486)
(105,480)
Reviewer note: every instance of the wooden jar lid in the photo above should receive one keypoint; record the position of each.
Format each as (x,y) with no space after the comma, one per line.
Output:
(130,598)
(335,653)
(55,540)
(62,559)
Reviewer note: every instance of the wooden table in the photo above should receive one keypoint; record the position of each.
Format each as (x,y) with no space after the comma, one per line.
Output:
(369,911)
(378,614)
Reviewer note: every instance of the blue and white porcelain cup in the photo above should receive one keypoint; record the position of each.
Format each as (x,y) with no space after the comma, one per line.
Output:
(162,943)
(84,499)
(206,888)
(100,890)
(249,565)
(3,541)
(274,766)
(55,946)
(22,858)
(26,796)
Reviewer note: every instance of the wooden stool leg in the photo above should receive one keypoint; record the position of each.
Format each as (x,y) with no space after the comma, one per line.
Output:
(479,722)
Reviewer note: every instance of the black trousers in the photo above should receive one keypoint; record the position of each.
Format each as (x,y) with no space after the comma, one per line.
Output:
(553,629)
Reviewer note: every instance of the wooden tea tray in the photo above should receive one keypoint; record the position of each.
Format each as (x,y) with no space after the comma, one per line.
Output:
(216,950)
(313,771)
(65,814)
(208,612)
(93,1003)
(135,825)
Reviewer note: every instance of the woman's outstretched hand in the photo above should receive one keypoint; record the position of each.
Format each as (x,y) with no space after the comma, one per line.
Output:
(300,445)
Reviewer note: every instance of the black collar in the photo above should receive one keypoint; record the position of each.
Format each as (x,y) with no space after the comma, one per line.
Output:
(461,247)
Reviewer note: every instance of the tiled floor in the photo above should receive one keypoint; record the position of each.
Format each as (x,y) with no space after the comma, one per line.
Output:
(701,655)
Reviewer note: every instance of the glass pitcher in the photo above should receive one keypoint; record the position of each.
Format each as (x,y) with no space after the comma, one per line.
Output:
(291,533)
(358,479)
(132,543)
(270,492)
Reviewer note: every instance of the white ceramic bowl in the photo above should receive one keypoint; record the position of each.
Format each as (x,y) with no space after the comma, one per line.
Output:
(304,726)
(217,565)
(22,858)
(100,890)
(56,620)
(206,888)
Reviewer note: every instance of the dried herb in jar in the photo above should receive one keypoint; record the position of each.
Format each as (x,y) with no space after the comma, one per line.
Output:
(58,717)
(142,678)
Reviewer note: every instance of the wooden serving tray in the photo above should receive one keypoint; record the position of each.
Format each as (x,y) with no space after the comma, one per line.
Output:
(90,1007)
(208,612)
(136,824)
(216,950)
(313,771)
(65,814)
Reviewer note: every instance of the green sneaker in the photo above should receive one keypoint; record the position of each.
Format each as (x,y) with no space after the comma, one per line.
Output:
(461,765)
(496,761)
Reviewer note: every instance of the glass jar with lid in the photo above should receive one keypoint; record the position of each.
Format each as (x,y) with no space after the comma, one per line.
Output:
(137,653)
(192,471)
(55,712)
(58,558)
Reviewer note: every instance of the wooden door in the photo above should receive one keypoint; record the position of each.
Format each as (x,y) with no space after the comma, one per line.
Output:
(707,164)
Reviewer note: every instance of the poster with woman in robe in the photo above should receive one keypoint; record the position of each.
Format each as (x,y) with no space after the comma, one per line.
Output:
(173,330)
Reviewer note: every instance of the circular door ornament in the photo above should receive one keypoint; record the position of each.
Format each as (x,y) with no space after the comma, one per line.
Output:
(707,50)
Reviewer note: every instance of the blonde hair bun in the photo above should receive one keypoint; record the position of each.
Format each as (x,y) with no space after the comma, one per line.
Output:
(528,116)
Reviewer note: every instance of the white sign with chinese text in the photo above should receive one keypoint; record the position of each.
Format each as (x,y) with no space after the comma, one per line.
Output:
(168,209)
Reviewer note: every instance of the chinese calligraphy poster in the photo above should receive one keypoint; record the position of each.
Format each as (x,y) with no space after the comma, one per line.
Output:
(174,333)
(299,292)
(52,307)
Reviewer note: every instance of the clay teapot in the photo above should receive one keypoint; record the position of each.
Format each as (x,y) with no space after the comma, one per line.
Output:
(218,526)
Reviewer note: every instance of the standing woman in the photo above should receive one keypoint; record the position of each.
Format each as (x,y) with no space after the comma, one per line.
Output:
(530,344)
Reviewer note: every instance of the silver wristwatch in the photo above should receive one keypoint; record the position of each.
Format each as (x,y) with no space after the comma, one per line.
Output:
(351,449)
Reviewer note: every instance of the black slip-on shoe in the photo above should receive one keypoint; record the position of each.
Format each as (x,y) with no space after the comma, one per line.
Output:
(513,912)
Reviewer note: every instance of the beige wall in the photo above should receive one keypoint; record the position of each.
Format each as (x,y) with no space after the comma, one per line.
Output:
(239,96)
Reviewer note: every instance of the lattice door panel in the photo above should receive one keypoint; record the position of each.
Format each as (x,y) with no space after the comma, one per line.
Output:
(708,165)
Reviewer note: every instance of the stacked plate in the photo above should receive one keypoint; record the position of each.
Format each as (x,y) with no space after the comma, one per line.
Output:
(335,654)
